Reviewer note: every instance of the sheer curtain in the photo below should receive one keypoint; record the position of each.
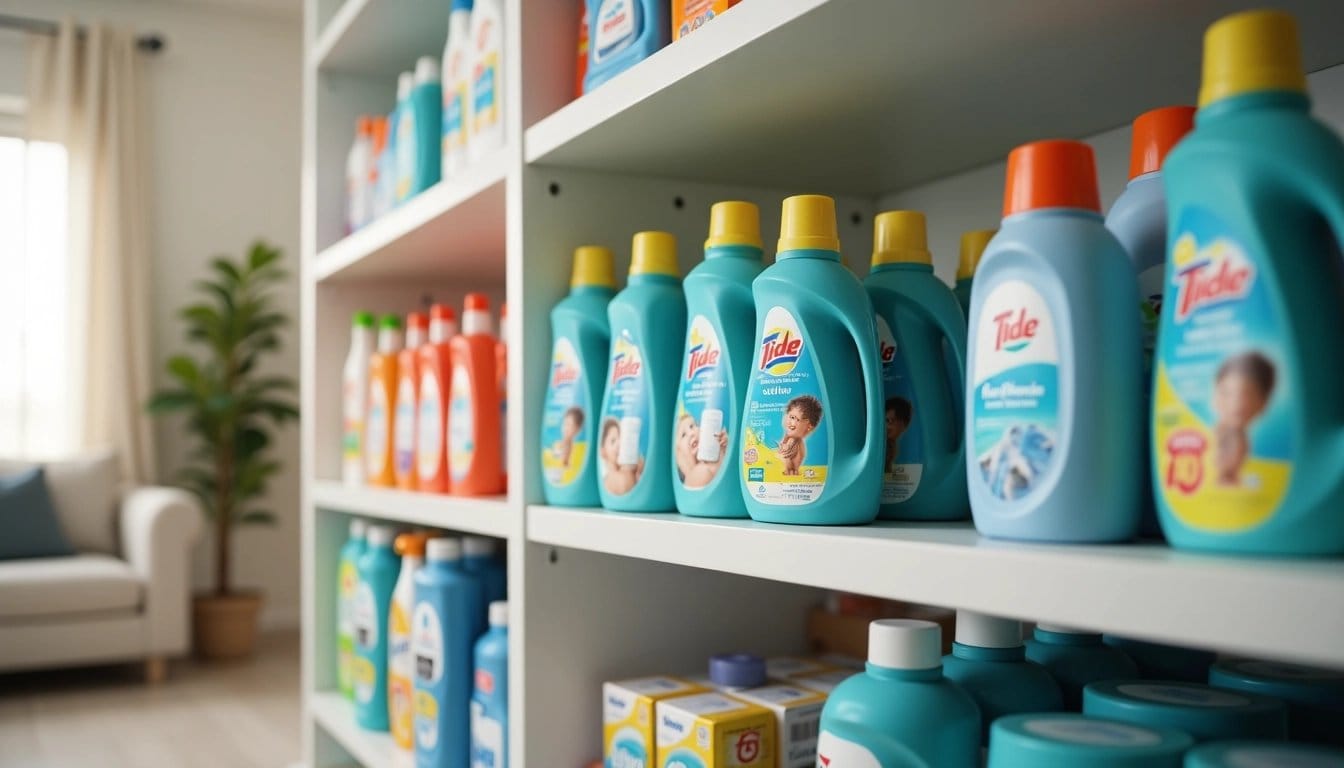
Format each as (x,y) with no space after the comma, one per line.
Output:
(84,92)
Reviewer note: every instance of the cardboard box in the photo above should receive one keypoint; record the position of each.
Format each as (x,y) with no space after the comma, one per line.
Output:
(797,721)
(713,730)
(628,732)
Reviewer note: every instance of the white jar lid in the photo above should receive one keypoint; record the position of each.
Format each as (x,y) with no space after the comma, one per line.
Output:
(905,644)
(984,631)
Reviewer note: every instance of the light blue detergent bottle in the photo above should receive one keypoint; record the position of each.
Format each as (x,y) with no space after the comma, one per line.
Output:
(490,699)
(1067,740)
(480,559)
(648,320)
(1262,754)
(900,712)
(1075,659)
(1315,697)
(1248,422)
(716,363)
(1204,712)
(580,340)
(1053,390)
(448,617)
(622,33)
(921,339)
(1165,662)
(401,140)
(812,430)
(973,245)
(418,158)
(989,662)
(378,570)
(1138,219)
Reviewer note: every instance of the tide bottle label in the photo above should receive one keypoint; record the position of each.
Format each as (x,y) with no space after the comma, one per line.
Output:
(1223,431)
(429,430)
(399,688)
(623,437)
(403,428)
(1015,402)
(345,625)
(786,441)
(461,424)
(903,457)
(427,648)
(375,430)
(566,427)
(705,410)
(365,621)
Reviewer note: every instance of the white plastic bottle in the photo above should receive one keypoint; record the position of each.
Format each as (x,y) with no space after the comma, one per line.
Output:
(400,659)
(403,146)
(487,78)
(356,176)
(354,403)
(456,89)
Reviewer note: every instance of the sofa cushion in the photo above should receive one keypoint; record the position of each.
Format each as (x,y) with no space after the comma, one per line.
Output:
(86,491)
(28,518)
(62,585)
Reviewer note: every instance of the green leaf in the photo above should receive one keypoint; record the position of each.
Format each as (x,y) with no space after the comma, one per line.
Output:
(262,255)
(250,441)
(258,517)
(226,269)
(216,290)
(277,410)
(185,370)
(170,400)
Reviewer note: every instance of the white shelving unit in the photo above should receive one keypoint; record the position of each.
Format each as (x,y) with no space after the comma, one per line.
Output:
(880,103)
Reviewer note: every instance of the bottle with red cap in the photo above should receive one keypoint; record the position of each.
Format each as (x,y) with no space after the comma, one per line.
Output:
(474,427)
(1053,402)
(408,384)
(431,422)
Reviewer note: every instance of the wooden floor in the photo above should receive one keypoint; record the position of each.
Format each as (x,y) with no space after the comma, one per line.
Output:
(231,715)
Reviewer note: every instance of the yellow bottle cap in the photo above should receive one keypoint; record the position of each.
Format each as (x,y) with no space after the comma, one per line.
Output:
(734,223)
(593,266)
(972,246)
(899,237)
(808,222)
(1251,51)
(654,253)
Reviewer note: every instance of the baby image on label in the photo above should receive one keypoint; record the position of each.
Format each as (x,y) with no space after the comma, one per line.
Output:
(1015,414)
(700,440)
(903,459)
(623,441)
(565,428)
(785,456)
(461,424)
(1224,441)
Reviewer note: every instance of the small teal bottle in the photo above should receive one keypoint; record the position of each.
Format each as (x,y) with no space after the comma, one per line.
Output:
(647,321)
(1248,424)
(490,699)
(973,244)
(1315,697)
(1068,740)
(812,430)
(621,34)
(425,107)
(921,339)
(580,340)
(480,559)
(1206,713)
(378,570)
(900,711)
(990,663)
(1052,389)
(1265,754)
(716,363)
(1075,659)
(1165,662)
(449,615)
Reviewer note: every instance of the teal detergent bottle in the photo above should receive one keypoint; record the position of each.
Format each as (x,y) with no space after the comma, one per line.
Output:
(1157,661)
(716,363)
(448,617)
(1067,740)
(812,422)
(990,663)
(347,586)
(580,340)
(419,151)
(1204,712)
(648,320)
(973,244)
(1138,219)
(1248,422)
(1315,697)
(490,699)
(900,712)
(921,339)
(378,570)
(480,559)
(1262,754)
(401,140)
(1052,389)
(1075,659)
(622,33)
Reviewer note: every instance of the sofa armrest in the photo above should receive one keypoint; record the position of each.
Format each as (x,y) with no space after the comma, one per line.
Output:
(159,527)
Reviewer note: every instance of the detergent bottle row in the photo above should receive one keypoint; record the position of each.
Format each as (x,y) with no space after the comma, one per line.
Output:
(472,107)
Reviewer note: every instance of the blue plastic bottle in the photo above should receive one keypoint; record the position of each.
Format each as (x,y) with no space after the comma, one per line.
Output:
(1165,662)
(480,560)
(812,430)
(1075,659)
(1248,424)
(622,33)
(1066,740)
(1262,754)
(1052,390)
(580,340)
(989,662)
(378,569)
(448,617)
(973,244)
(716,363)
(1315,697)
(648,320)
(1204,712)
(921,338)
(490,700)
(900,712)
(347,586)
(420,132)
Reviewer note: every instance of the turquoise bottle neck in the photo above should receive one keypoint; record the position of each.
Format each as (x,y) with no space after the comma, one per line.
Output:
(602,291)
(808,253)
(1054,213)
(653,278)
(976,653)
(746,252)
(904,675)
(1065,638)
(1286,100)
(900,266)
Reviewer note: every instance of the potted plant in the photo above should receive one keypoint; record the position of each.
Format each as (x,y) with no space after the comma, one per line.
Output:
(231,410)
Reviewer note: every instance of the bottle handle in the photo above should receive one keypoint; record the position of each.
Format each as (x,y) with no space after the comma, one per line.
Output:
(1327,197)
(952,324)
(870,368)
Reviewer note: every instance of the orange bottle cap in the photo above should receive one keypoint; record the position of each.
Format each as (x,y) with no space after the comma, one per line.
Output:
(412,544)
(476,301)
(1155,132)
(442,312)
(1057,173)
(416,320)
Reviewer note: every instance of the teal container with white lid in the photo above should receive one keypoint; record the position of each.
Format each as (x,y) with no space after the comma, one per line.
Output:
(1263,754)
(1315,697)
(1204,712)
(1069,740)
(1076,658)
(990,663)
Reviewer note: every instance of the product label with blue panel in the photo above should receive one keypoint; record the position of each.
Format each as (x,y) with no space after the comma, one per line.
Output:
(429,430)
(623,437)
(461,424)
(1224,440)
(427,648)
(566,428)
(785,444)
(454,102)
(485,80)
(614,29)
(903,460)
(403,428)
(364,616)
(704,408)
(1015,416)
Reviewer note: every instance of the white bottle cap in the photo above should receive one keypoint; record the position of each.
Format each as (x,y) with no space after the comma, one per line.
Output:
(357,528)
(476,546)
(426,70)
(405,82)
(381,535)
(443,548)
(477,322)
(905,644)
(499,614)
(984,631)
(1061,629)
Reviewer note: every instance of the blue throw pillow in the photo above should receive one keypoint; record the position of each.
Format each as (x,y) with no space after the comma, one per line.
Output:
(28,524)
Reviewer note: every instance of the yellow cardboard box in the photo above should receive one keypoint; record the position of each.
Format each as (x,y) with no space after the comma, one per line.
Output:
(713,730)
(628,734)
(797,721)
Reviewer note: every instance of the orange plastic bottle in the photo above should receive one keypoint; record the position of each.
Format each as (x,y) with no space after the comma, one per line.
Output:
(473,405)
(431,421)
(408,384)
(378,463)
(502,377)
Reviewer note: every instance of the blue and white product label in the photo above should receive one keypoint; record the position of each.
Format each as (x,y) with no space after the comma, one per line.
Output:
(627,750)
(487,739)
(403,432)
(1182,695)
(461,424)
(705,411)
(1101,733)
(623,436)
(903,460)
(786,440)
(427,650)
(614,30)
(835,752)
(365,617)
(429,430)
(566,423)
(484,91)
(1016,397)
(405,152)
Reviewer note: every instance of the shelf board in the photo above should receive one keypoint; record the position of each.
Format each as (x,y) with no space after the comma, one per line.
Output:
(337,717)
(874,96)
(488,516)
(381,37)
(1278,608)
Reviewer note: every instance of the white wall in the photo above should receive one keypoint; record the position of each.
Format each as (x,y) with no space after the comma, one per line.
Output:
(224,103)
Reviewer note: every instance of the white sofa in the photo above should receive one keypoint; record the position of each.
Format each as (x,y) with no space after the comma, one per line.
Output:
(125,595)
